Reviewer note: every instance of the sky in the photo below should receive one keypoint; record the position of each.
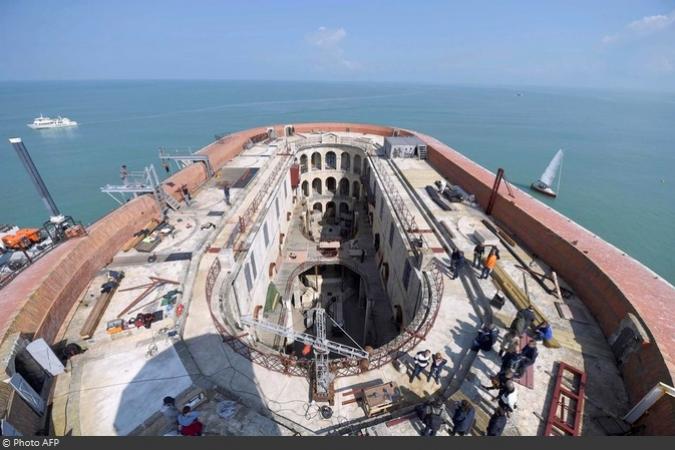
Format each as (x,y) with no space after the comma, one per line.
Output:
(596,43)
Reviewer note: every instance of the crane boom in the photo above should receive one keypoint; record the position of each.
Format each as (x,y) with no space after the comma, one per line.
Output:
(321,344)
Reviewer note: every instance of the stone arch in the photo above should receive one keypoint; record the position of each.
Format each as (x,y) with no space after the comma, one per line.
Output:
(357,164)
(316,186)
(330,210)
(344,208)
(331,185)
(331,161)
(344,187)
(356,190)
(305,188)
(345,161)
(316,161)
(303,163)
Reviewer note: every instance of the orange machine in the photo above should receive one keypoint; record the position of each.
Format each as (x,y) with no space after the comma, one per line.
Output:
(23,238)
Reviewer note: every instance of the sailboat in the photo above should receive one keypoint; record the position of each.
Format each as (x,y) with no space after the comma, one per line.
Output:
(545,182)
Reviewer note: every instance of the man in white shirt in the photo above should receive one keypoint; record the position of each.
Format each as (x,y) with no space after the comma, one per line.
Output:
(422,360)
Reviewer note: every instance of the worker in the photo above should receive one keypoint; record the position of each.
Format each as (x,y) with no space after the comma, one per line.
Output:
(497,423)
(433,416)
(509,360)
(526,358)
(166,167)
(508,397)
(510,343)
(499,381)
(226,192)
(170,413)
(124,175)
(437,364)
(454,259)
(528,315)
(422,360)
(490,263)
(189,422)
(478,251)
(520,323)
(463,418)
(487,337)
(544,332)
(186,194)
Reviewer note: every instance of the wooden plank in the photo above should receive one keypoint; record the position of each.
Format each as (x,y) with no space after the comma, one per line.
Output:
(96,313)
(518,297)
(133,242)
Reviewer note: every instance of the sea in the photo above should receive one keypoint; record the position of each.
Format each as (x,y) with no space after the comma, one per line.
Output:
(617,178)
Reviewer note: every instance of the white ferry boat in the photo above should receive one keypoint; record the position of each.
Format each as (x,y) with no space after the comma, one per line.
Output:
(47,122)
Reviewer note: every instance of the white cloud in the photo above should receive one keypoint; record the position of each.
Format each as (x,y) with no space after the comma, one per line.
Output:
(652,23)
(326,37)
(641,27)
(329,53)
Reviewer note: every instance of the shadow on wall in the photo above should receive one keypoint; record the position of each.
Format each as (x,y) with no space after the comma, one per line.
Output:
(172,371)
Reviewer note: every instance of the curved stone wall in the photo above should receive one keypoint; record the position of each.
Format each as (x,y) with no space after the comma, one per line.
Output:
(611,283)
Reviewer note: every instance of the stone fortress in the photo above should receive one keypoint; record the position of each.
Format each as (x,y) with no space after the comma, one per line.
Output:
(339,217)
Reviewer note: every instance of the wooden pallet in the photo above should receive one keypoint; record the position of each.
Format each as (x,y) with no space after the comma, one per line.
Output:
(567,402)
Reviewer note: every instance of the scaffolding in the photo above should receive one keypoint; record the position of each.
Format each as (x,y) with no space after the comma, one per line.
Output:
(184,158)
(138,183)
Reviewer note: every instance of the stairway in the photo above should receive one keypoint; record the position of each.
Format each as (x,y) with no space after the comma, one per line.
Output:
(171,202)
(422,152)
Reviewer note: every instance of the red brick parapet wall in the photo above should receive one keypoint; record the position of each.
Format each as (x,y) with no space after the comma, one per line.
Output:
(610,283)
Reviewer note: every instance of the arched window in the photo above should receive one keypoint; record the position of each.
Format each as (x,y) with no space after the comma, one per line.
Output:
(344,187)
(357,164)
(316,186)
(331,185)
(305,188)
(330,210)
(303,164)
(331,161)
(317,207)
(316,161)
(344,208)
(356,189)
(345,161)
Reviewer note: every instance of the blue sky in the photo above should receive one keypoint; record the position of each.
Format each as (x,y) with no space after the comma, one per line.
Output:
(617,43)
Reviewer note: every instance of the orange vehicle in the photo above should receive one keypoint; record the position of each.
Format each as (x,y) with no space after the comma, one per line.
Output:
(23,238)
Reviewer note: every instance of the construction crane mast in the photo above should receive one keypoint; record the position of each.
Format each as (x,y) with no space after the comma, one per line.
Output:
(323,379)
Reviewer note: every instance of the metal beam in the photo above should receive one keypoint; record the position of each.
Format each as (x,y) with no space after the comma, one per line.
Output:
(321,345)
(35,177)
(189,157)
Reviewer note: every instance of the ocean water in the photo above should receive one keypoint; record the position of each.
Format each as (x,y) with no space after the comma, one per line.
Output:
(618,176)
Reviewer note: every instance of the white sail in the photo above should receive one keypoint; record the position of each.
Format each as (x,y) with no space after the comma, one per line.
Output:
(552,169)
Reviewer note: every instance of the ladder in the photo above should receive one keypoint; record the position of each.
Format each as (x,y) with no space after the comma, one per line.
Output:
(422,152)
(567,403)
(171,202)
